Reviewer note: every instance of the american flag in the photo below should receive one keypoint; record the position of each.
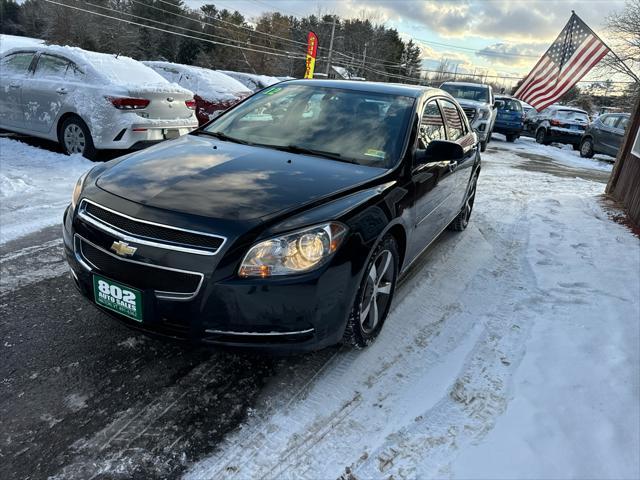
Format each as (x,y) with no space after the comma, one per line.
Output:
(576,50)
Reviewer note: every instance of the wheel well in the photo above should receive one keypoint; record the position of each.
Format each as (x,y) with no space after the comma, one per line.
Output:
(401,238)
(64,117)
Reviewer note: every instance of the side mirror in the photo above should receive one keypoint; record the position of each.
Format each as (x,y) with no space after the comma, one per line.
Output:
(440,151)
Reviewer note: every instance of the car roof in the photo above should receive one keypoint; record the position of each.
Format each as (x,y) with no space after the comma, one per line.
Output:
(375,87)
(565,107)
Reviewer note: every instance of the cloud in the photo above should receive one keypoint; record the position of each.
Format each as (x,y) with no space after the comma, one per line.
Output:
(511,54)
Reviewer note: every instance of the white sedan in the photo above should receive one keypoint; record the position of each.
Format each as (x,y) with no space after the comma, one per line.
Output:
(89,101)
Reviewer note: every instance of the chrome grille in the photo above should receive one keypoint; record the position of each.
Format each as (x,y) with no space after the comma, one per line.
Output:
(168,283)
(146,232)
(470,112)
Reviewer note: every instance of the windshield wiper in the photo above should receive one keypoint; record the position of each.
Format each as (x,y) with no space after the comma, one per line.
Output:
(309,151)
(222,136)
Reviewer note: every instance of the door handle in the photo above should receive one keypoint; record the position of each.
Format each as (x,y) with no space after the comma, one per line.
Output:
(62,91)
(14,85)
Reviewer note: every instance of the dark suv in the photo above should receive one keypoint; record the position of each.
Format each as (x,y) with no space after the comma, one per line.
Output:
(557,123)
(604,135)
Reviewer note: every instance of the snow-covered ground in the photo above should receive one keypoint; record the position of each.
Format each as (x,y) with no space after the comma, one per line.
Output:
(513,352)
(7,42)
(35,187)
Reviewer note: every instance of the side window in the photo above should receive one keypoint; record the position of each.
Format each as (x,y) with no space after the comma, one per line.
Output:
(51,67)
(74,73)
(16,63)
(610,120)
(455,125)
(431,124)
(622,124)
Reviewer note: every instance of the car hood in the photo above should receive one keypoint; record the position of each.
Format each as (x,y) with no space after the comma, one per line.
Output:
(204,176)
(471,103)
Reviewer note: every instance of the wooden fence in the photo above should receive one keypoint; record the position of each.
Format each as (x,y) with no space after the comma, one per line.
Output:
(624,183)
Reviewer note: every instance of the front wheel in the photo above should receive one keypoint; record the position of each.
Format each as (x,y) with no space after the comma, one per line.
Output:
(75,137)
(374,296)
(511,138)
(462,220)
(586,148)
(483,146)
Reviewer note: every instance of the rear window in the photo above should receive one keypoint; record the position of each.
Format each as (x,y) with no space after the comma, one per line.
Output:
(572,116)
(509,105)
(467,92)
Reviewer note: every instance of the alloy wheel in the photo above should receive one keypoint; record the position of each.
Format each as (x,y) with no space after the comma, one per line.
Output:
(585,149)
(74,139)
(377,291)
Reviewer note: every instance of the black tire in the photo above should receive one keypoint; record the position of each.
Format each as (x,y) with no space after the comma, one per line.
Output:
(511,138)
(462,220)
(74,137)
(541,137)
(586,148)
(483,146)
(359,331)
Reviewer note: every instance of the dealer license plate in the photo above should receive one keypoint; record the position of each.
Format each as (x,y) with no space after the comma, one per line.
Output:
(117,297)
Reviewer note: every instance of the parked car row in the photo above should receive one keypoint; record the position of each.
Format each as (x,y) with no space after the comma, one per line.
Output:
(88,101)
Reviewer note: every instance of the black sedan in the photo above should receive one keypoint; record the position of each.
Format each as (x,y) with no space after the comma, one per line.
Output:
(284,223)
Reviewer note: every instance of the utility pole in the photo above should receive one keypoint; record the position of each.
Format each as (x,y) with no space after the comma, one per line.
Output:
(333,31)
(364,57)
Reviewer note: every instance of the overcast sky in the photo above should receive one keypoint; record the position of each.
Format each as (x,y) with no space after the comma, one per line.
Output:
(514,27)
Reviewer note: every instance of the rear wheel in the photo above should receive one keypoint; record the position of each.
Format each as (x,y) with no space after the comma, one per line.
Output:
(374,296)
(483,146)
(511,137)
(586,148)
(74,137)
(462,220)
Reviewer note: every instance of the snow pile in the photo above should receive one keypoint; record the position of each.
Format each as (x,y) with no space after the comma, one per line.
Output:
(511,352)
(250,80)
(35,187)
(7,42)
(560,153)
(209,84)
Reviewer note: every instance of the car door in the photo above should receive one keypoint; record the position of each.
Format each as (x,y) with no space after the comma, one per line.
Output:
(620,128)
(432,182)
(15,70)
(45,93)
(459,172)
(607,135)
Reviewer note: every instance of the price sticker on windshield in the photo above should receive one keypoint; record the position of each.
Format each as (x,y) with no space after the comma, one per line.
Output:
(271,91)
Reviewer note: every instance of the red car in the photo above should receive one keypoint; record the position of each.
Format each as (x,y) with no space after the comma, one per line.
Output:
(213,91)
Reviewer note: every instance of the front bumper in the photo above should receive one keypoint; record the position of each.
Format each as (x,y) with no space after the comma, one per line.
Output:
(292,314)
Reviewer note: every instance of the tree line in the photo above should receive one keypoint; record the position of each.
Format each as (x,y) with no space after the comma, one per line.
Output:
(212,37)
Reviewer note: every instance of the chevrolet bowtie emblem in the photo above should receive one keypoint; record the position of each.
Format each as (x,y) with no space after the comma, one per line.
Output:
(123,249)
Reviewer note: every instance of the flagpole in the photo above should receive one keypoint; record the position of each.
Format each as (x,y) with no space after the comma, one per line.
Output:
(629,71)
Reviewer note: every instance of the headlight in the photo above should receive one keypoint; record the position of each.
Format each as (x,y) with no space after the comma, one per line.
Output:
(484,114)
(77,190)
(296,252)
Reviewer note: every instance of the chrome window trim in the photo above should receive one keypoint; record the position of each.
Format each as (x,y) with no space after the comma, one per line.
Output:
(177,296)
(112,230)
(259,334)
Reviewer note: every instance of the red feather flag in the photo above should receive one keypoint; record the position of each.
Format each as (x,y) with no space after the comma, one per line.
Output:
(576,51)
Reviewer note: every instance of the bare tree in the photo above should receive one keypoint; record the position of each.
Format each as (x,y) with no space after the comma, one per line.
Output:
(624,29)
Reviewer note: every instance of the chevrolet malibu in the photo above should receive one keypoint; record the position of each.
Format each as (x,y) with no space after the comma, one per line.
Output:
(282,224)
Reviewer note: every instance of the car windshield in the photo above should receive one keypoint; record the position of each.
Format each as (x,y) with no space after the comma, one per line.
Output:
(348,125)
(572,116)
(467,92)
(509,105)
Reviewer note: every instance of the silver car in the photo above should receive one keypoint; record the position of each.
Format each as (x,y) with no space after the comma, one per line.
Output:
(89,101)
